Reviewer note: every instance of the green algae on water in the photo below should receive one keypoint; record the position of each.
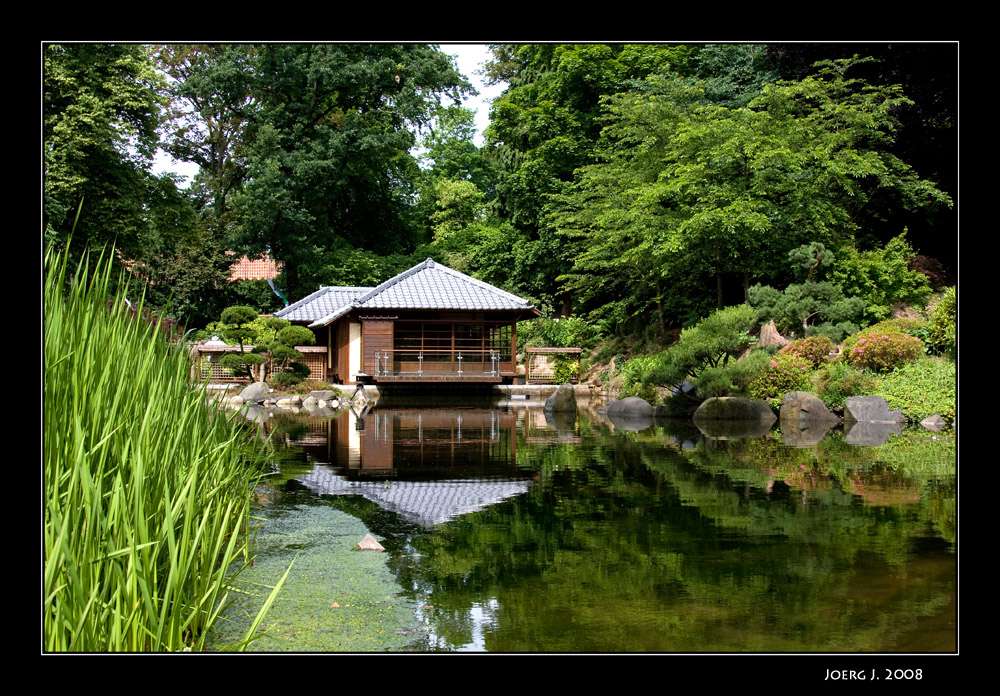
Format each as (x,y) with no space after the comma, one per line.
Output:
(336,599)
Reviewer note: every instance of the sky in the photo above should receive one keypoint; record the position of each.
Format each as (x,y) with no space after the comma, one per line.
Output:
(469,57)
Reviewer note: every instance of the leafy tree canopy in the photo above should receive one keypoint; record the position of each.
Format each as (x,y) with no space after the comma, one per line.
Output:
(686,188)
(101,109)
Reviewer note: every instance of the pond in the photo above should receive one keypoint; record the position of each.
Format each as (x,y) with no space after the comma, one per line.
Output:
(509,531)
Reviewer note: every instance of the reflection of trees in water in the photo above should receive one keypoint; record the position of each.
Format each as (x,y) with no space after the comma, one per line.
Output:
(628,544)
(644,542)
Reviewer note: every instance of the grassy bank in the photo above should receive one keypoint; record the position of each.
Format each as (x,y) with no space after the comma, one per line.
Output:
(146,496)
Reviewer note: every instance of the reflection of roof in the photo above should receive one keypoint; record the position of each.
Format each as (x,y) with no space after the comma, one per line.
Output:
(427,285)
(426,503)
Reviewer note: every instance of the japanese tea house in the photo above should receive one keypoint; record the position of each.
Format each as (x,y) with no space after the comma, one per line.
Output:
(427,324)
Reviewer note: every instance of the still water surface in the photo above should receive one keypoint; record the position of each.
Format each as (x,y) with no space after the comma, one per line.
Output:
(509,531)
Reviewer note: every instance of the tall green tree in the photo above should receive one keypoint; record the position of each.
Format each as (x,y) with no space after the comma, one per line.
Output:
(543,127)
(330,158)
(209,120)
(708,191)
(101,108)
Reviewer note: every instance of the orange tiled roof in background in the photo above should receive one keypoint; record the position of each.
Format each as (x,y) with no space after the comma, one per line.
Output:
(254,269)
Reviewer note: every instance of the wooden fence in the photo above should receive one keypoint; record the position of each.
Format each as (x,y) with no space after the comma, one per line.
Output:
(205,362)
(540,364)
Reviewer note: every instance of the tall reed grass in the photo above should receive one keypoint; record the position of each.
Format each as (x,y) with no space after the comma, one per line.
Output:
(146,491)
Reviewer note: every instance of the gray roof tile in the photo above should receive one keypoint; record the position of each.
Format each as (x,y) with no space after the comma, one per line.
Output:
(428,285)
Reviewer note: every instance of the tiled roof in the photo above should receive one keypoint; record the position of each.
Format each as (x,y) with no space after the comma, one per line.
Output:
(428,285)
(325,301)
(254,269)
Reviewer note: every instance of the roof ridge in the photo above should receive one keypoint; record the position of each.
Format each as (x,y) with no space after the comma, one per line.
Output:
(385,285)
(481,283)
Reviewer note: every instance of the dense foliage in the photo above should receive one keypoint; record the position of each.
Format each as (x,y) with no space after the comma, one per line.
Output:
(713,342)
(942,330)
(635,187)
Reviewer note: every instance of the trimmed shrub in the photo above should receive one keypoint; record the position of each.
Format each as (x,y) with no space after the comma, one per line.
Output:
(815,349)
(785,373)
(735,378)
(839,380)
(882,348)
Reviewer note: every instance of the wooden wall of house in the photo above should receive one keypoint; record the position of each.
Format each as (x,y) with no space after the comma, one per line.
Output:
(340,352)
(376,335)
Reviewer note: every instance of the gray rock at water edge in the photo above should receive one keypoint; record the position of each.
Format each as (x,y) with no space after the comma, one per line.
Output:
(563,400)
(871,409)
(630,406)
(324,394)
(934,423)
(310,402)
(803,407)
(734,408)
(255,392)
(369,544)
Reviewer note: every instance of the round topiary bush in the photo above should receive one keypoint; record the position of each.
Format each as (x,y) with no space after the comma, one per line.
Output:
(882,348)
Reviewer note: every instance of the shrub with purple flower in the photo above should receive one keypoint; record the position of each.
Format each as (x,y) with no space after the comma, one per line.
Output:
(815,349)
(786,372)
(882,348)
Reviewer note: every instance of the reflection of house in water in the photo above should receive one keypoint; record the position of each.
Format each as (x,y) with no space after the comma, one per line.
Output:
(426,465)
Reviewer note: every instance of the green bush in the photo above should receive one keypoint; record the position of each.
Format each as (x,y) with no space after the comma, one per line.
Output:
(734,379)
(882,348)
(922,388)
(783,374)
(839,380)
(569,332)
(566,370)
(285,379)
(881,277)
(942,329)
(815,349)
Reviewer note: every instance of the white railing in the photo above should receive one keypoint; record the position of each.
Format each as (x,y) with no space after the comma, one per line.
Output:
(438,364)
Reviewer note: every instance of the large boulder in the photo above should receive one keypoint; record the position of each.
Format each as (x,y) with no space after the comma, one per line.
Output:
(562,400)
(255,392)
(735,408)
(805,408)
(871,409)
(630,406)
